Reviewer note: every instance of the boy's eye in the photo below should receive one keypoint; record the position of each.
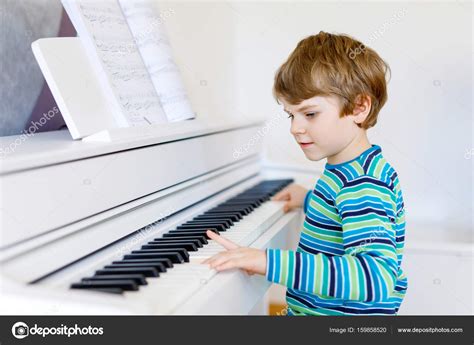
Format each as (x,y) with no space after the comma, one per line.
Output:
(290,116)
(310,114)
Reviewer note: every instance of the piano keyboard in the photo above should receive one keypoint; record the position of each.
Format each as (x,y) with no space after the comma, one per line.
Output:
(169,266)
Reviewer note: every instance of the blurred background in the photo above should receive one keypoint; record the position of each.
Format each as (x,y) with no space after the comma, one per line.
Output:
(228,53)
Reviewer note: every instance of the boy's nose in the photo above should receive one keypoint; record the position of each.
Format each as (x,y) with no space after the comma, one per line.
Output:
(297,128)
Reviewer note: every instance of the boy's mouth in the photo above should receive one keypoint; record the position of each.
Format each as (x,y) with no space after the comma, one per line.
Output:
(305,144)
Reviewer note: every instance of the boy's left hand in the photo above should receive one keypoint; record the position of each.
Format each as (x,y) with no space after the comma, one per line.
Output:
(249,259)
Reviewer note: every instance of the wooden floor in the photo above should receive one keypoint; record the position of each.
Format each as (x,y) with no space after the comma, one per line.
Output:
(277,309)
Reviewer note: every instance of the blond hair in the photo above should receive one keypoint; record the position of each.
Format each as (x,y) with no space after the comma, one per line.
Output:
(328,64)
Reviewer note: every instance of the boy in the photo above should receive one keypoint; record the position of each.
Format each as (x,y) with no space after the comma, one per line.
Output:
(350,250)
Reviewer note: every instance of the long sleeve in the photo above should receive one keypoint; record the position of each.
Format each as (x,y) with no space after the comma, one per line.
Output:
(367,271)
(306,201)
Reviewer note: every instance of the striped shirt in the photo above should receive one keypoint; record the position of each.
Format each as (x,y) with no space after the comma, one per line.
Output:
(348,260)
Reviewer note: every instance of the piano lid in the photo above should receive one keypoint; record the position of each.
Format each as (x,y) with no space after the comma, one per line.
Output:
(28,151)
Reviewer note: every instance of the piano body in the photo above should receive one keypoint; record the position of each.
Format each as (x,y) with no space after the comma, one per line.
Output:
(116,226)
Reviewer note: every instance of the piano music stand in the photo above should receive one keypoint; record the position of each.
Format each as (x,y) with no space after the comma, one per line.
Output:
(74,85)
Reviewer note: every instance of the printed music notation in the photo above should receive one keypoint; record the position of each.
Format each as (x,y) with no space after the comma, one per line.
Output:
(147,27)
(133,59)
(121,68)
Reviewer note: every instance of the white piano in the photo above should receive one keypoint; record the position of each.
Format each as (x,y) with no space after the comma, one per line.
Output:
(113,225)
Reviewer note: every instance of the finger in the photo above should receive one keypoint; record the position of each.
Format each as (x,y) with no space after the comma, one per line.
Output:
(219,257)
(281,196)
(224,242)
(223,258)
(213,262)
(287,207)
(213,258)
(229,264)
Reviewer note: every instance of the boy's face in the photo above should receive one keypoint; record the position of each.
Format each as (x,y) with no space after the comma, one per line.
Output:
(318,128)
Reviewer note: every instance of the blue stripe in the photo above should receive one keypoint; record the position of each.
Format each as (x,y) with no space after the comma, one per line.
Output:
(369,241)
(339,278)
(304,272)
(332,276)
(277,266)
(270,264)
(341,176)
(324,198)
(346,280)
(322,225)
(364,179)
(296,282)
(367,279)
(364,212)
(369,159)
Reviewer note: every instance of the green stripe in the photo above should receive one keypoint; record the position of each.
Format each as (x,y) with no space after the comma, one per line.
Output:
(354,293)
(330,215)
(284,270)
(325,276)
(333,185)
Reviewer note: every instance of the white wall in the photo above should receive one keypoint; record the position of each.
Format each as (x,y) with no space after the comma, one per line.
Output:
(228,53)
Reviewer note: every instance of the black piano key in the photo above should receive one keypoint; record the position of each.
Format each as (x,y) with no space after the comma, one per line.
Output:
(246,198)
(199,232)
(234,205)
(110,290)
(181,251)
(165,262)
(137,278)
(207,223)
(262,189)
(194,241)
(255,200)
(261,194)
(159,267)
(126,285)
(187,233)
(245,207)
(229,218)
(189,246)
(226,213)
(215,211)
(224,224)
(251,203)
(258,199)
(201,238)
(217,227)
(224,221)
(147,272)
(174,257)
(242,211)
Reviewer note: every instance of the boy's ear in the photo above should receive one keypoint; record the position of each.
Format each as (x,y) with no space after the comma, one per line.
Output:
(362,106)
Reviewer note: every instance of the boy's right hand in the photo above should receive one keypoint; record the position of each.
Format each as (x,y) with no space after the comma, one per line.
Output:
(294,195)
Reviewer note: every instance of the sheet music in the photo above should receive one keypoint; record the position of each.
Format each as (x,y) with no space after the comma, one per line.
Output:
(146,25)
(104,29)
